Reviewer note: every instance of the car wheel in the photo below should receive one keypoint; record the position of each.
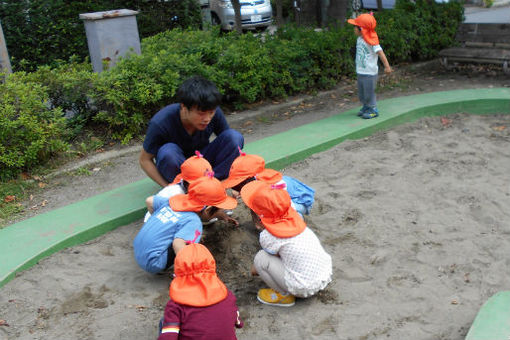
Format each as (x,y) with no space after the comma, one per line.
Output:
(356,5)
(215,20)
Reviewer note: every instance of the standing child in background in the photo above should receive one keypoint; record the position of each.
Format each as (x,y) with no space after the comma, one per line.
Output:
(247,168)
(200,306)
(292,261)
(367,52)
(176,221)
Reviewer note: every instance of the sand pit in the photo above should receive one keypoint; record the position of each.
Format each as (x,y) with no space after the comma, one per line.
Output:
(415,218)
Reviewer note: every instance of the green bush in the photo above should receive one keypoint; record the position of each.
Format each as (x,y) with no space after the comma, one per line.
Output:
(418,31)
(30,132)
(69,87)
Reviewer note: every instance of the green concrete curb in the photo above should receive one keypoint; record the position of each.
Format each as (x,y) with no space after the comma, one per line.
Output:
(493,320)
(25,243)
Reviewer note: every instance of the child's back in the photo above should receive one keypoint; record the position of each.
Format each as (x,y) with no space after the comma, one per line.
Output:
(200,306)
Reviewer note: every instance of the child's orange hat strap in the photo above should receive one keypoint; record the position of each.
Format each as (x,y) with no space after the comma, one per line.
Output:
(195,282)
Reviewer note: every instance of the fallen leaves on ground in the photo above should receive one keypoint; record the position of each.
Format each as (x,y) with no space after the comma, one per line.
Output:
(41,185)
(445,121)
(9,198)
(499,128)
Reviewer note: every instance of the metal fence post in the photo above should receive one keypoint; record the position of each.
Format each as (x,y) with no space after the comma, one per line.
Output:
(110,36)
(5,63)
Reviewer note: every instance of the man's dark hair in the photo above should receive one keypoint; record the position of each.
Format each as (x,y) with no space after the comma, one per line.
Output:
(200,92)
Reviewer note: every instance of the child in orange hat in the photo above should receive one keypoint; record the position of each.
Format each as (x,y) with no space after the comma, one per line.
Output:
(176,221)
(200,305)
(292,261)
(247,168)
(191,169)
(368,51)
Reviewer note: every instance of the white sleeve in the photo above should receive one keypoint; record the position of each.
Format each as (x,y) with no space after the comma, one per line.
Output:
(270,243)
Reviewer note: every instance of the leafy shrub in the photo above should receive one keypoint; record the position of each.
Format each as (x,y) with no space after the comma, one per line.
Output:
(68,86)
(30,132)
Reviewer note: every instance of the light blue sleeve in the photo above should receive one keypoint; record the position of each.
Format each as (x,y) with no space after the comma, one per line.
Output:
(299,192)
(190,228)
(158,202)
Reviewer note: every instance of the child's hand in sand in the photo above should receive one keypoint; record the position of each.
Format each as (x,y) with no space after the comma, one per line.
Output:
(221,215)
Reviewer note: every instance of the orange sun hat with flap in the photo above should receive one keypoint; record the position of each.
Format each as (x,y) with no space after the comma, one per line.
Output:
(246,166)
(367,23)
(196,282)
(206,190)
(271,202)
(193,168)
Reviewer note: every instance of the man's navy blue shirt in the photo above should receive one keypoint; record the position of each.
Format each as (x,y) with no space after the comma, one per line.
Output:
(166,127)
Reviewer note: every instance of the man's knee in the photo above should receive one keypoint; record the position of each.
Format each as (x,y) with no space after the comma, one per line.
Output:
(232,137)
(169,160)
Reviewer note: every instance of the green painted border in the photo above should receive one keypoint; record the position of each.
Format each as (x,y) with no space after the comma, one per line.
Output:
(25,243)
(493,320)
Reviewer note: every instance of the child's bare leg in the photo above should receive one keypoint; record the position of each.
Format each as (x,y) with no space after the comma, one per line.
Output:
(271,271)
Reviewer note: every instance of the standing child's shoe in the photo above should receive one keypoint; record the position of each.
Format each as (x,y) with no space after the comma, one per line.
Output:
(371,113)
(363,110)
(271,297)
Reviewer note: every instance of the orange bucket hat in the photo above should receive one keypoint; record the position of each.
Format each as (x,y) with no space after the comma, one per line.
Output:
(367,23)
(193,168)
(195,282)
(271,202)
(206,190)
(246,166)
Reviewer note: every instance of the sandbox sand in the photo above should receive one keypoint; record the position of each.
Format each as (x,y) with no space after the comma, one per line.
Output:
(417,221)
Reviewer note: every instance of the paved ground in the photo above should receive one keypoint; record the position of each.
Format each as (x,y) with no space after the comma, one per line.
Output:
(500,13)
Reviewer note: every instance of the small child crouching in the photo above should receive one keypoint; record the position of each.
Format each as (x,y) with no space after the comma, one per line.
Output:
(200,306)
(292,261)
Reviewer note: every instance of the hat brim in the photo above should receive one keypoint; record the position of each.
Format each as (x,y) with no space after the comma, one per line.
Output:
(185,203)
(233,181)
(211,289)
(352,22)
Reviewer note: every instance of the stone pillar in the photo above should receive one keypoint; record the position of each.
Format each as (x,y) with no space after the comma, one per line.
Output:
(5,63)
(111,35)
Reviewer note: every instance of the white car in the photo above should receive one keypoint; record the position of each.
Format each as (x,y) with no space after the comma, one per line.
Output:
(255,14)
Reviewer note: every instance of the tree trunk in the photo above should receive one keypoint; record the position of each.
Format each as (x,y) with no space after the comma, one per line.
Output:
(379,5)
(279,13)
(337,12)
(237,11)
